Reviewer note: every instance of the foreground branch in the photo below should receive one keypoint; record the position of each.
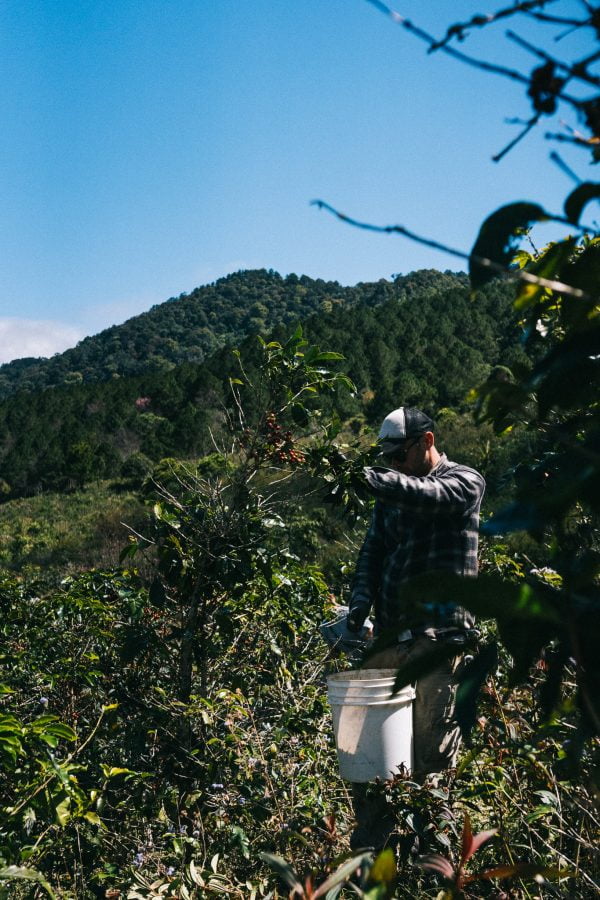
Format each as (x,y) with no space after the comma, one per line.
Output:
(481,64)
(516,274)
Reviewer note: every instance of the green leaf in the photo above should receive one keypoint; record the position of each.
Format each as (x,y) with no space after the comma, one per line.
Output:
(466,760)
(63,811)
(240,839)
(11,746)
(579,198)
(283,869)
(547,266)
(94,818)
(113,771)
(495,242)
(549,798)
(59,729)
(195,875)
(342,874)
(20,873)
(326,356)
(384,867)
(539,812)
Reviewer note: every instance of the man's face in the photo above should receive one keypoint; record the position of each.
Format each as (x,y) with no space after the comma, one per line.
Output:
(411,457)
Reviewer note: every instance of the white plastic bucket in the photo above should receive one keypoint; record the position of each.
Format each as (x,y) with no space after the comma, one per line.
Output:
(373,728)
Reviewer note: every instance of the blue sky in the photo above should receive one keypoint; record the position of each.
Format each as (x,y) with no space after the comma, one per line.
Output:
(150,146)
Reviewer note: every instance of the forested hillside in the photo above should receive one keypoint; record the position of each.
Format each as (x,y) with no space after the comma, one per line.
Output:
(421,340)
(192,326)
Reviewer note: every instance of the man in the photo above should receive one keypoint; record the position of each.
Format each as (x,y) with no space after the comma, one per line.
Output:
(425,519)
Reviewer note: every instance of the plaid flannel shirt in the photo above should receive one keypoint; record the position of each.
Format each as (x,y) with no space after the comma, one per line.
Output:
(419,524)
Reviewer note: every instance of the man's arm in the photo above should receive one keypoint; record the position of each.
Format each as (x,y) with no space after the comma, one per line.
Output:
(367,576)
(457,490)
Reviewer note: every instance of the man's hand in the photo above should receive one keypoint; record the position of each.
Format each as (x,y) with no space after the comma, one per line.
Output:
(356,617)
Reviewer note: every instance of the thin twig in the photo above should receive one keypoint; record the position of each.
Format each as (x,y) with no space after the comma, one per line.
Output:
(482,21)
(559,161)
(556,20)
(482,64)
(516,274)
(528,126)
(575,139)
(550,847)
(575,70)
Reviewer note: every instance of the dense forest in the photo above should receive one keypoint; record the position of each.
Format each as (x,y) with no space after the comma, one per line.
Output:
(191,327)
(420,340)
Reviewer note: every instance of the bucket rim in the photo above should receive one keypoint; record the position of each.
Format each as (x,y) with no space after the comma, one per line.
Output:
(355,691)
(359,675)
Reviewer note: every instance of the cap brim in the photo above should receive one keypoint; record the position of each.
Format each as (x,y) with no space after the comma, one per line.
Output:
(388,447)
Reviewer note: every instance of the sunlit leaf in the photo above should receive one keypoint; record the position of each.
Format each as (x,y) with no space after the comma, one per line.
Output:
(63,811)
(94,818)
(342,874)
(113,771)
(384,867)
(195,875)
(547,266)
(538,813)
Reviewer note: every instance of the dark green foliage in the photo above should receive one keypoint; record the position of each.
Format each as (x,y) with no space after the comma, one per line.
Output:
(419,340)
(136,467)
(189,328)
(558,489)
(65,533)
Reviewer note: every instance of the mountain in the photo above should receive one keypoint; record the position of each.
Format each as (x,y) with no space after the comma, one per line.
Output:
(420,340)
(190,327)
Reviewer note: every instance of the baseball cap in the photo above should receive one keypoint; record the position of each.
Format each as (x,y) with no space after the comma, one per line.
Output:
(402,423)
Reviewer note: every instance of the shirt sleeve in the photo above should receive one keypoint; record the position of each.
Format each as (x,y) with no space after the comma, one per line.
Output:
(457,490)
(369,565)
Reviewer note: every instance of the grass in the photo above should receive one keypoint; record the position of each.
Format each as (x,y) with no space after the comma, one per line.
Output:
(69,532)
